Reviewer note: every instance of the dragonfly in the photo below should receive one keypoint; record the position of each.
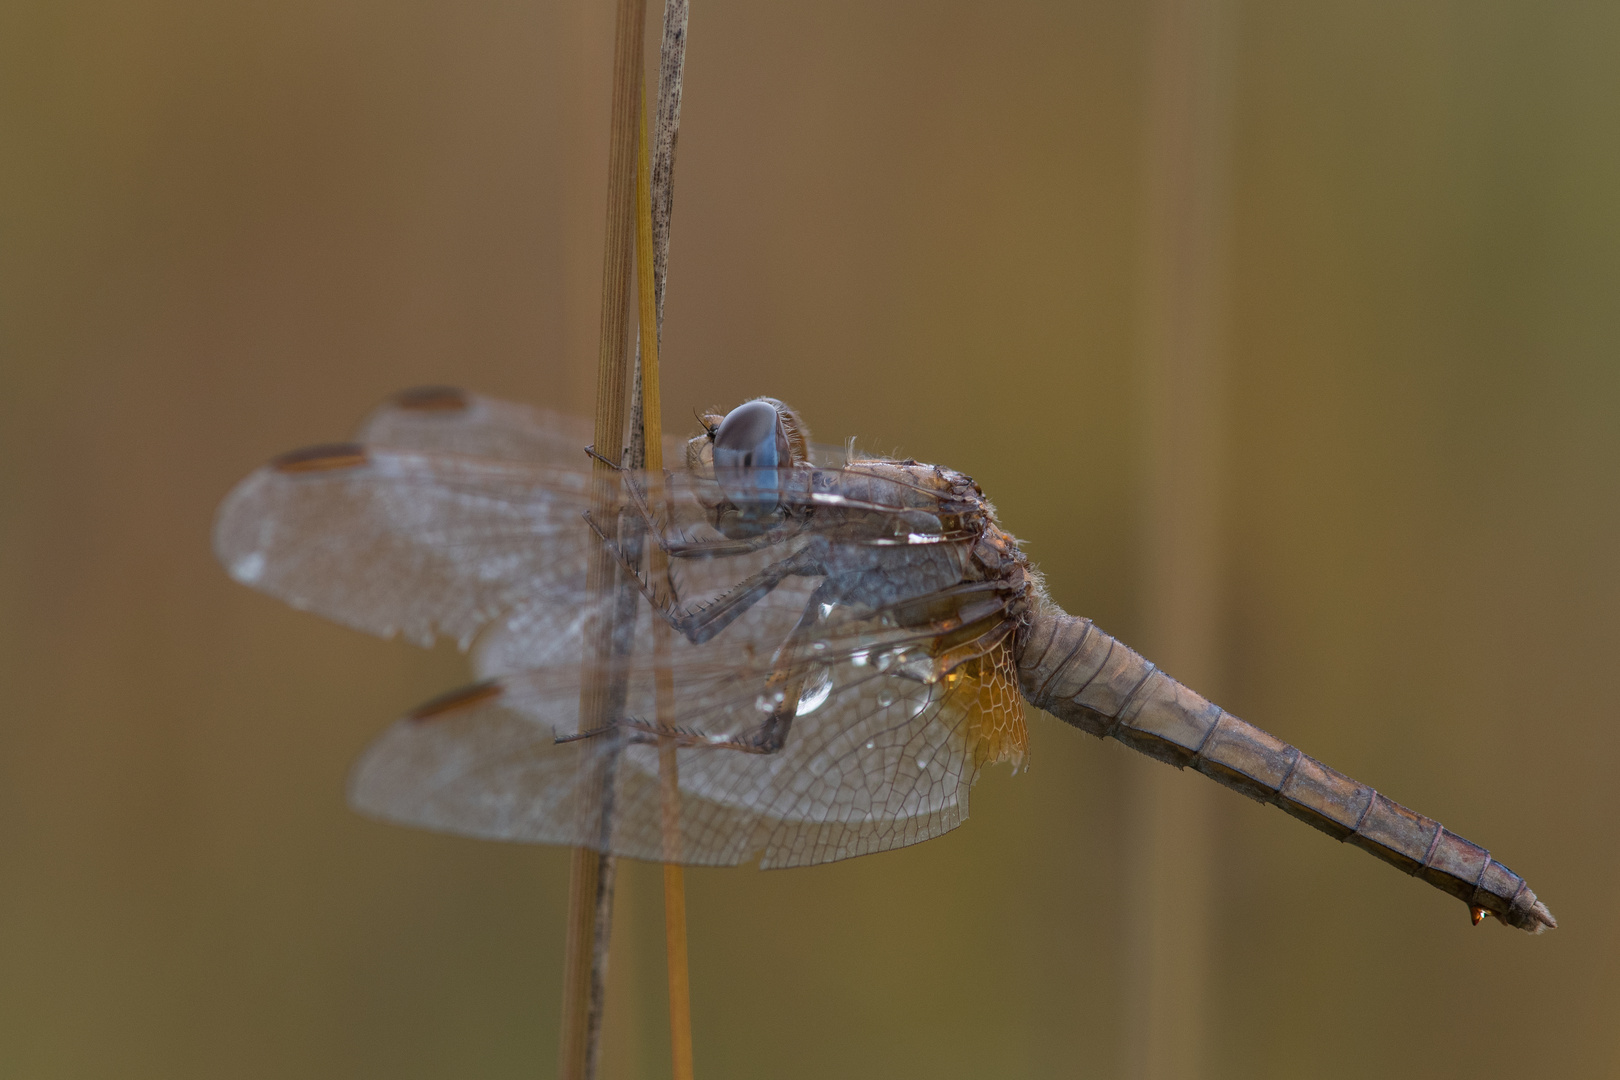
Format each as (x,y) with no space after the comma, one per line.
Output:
(851,640)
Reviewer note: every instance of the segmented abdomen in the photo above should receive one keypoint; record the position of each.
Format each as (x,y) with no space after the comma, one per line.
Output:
(1086,678)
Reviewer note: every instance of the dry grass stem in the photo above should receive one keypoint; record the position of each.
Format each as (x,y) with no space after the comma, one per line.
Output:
(592,874)
(680,1008)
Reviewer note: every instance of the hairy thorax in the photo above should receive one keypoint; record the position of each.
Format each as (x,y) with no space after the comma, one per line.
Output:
(944,534)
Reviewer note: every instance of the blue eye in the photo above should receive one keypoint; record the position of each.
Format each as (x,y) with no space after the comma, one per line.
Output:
(749,446)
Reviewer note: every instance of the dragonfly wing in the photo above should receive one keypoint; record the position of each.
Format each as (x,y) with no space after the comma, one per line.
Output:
(459,511)
(885,761)
(875,760)
(538,632)
(423,543)
(486,762)
(454,421)
(418,544)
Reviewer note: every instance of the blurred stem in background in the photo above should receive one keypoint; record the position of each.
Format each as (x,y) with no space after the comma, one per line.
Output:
(1183,296)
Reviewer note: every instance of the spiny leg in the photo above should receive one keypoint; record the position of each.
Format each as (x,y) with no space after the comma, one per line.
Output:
(782,689)
(700,624)
(786,681)
(685,549)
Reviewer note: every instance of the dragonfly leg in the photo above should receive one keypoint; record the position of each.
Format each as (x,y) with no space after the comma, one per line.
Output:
(638,498)
(691,549)
(786,681)
(645,733)
(638,503)
(702,622)
(641,732)
(683,548)
(784,685)
(609,462)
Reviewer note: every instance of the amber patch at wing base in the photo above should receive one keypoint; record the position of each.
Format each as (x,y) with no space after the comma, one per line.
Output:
(321,458)
(994,730)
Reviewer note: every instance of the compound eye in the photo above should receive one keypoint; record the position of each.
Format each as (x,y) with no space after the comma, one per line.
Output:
(749,447)
(746,438)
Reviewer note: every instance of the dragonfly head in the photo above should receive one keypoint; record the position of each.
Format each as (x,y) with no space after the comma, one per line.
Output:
(749,449)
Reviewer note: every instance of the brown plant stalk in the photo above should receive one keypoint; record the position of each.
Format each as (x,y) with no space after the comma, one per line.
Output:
(591,875)
(680,1007)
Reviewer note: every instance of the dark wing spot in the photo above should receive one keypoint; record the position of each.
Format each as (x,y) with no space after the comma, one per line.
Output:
(325,458)
(432,399)
(466,697)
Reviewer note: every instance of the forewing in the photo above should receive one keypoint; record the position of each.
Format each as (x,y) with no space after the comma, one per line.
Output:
(393,541)
(454,421)
(423,542)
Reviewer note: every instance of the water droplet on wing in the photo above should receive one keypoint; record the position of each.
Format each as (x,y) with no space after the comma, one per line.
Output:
(817,686)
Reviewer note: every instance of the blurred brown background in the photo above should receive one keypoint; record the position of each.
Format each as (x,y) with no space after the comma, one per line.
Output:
(228,229)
